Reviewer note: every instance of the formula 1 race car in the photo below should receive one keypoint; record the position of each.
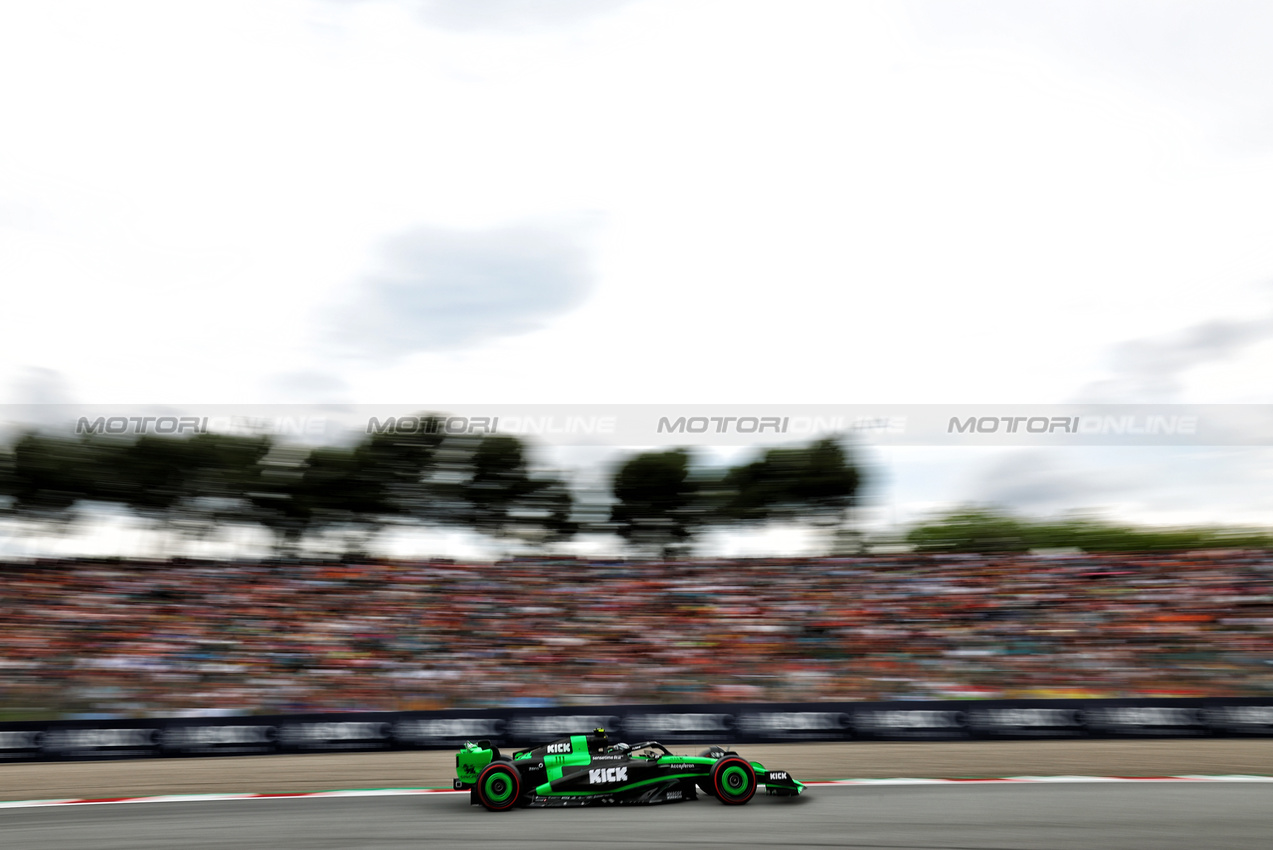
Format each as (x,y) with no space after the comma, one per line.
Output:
(584,770)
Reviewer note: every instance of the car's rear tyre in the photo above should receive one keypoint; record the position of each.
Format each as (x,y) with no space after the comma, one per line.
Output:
(499,786)
(733,781)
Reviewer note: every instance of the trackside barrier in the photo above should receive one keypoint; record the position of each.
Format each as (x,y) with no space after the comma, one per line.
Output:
(735,723)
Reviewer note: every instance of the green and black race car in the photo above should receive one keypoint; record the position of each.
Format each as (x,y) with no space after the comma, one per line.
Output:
(584,770)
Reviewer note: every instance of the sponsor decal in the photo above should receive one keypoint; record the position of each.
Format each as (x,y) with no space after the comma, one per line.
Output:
(26,740)
(23,744)
(1022,720)
(180,737)
(654,725)
(784,724)
(778,774)
(425,731)
(80,740)
(937,720)
(535,728)
(909,719)
(1240,718)
(334,735)
(1144,717)
(607,775)
(673,795)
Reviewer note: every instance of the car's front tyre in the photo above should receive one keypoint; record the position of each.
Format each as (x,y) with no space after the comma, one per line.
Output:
(499,786)
(733,781)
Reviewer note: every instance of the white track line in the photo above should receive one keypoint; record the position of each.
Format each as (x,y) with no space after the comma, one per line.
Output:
(399,792)
(1048,779)
(199,798)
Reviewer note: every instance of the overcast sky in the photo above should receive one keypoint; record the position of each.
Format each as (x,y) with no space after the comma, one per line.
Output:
(575,201)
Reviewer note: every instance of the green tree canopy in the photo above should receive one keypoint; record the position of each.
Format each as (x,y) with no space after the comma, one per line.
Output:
(989,531)
(656,505)
(816,483)
(50,476)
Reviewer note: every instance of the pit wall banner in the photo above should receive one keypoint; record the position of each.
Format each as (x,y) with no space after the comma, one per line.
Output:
(674,725)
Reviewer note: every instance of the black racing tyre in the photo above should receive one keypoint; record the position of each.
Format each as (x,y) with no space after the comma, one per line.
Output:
(733,781)
(499,786)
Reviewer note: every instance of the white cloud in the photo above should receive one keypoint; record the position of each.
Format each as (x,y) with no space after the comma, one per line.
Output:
(1157,369)
(513,15)
(444,289)
(804,202)
(1209,59)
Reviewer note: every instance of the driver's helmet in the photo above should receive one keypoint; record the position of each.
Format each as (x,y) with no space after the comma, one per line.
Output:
(600,739)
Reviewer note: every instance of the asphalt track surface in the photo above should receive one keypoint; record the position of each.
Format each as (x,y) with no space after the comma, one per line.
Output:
(994,816)
(1086,816)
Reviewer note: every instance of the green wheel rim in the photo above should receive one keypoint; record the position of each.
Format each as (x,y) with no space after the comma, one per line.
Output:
(734,781)
(498,787)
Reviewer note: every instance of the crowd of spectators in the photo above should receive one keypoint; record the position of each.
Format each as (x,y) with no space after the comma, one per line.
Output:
(89,638)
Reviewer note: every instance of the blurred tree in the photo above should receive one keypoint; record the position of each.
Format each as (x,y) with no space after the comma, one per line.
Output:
(191,485)
(222,470)
(553,506)
(505,501)
(50,476)
(403,464)
(152,476)
(273,497)
(656,506)
(212,480)
(395,476)
(815,483)
(423,476)
(983,530)
(343,491)
(970,530)
(8,481)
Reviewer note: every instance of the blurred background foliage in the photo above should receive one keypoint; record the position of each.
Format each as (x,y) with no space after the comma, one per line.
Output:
(658,503)
(988,531)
